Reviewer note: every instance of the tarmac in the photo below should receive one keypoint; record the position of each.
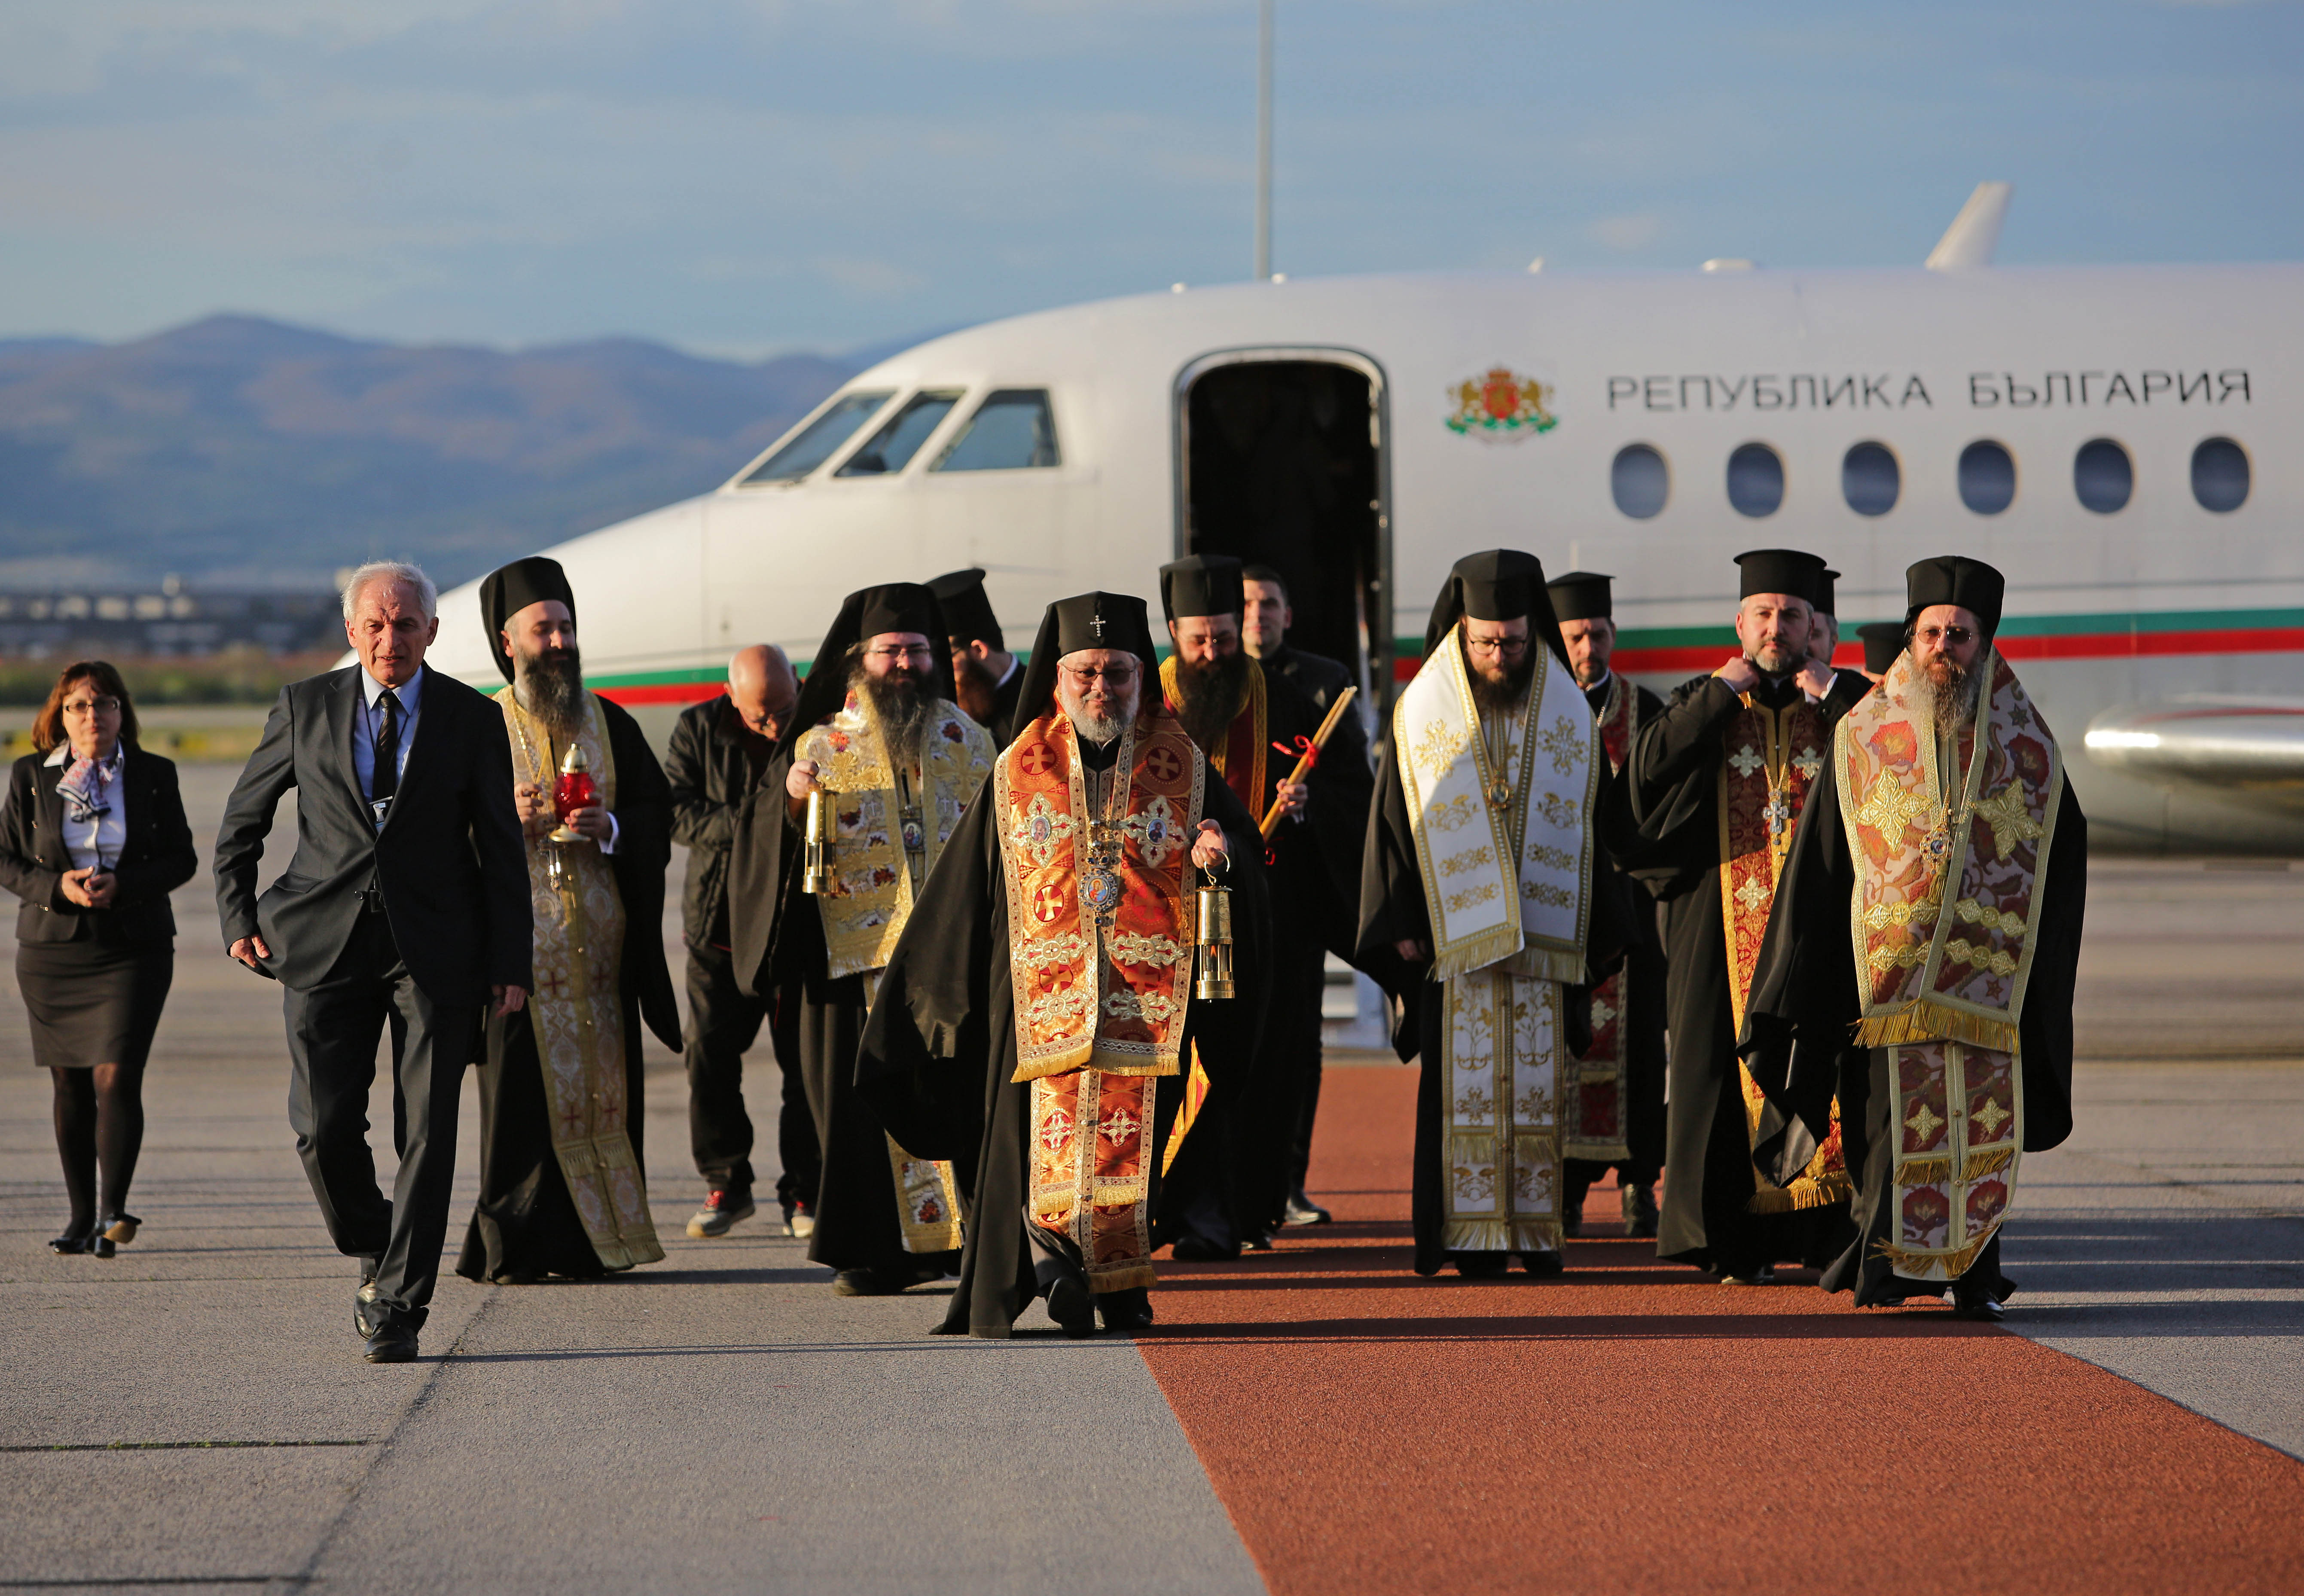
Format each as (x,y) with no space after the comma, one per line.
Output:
(194,1414)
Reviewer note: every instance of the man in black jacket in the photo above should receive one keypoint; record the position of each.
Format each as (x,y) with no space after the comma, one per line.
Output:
(718,751)
(406,901)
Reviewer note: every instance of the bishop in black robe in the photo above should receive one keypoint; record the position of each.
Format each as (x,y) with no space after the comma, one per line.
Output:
(939,1057)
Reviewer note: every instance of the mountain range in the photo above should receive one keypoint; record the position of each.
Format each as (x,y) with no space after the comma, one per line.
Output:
(240,452)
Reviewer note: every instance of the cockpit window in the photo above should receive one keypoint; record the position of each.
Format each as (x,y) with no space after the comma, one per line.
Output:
(892,448)
(1013,430)
(820,439)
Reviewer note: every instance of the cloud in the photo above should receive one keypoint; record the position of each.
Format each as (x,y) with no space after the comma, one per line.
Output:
(1627,232)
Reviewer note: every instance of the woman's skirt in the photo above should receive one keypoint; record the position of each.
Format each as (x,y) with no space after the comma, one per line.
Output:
(93,1005)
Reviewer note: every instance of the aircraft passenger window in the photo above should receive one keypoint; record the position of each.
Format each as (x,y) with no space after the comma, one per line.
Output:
(1756,480)
(1641,481)
(1012,430)
(2103,476)
(1870,480)
(1987,477)
(2219,475)
(900,438)
(820,440)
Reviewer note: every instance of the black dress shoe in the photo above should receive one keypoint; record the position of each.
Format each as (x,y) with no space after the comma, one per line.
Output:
(1541,1264)
(391,1342)
(1199,1249)
(1480,1265)
(1302,1210)
(1126,1309)
(364,1309)
(1071,1307)
(1257,1241)
(72,1241)
(1639,1211)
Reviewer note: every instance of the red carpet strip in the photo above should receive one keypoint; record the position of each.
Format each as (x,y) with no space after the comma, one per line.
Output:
(1631,1426)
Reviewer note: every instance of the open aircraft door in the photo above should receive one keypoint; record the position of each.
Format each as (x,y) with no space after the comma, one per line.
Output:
(1282,458)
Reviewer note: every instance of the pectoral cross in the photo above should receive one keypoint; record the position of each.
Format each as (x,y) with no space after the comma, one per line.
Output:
(1779,812)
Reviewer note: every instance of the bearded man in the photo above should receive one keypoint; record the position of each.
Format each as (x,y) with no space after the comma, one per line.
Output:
(1612,1106)
(1933,906)
(1483,889)
(562,1187)
(986,678)
(1253,720)
(1716,785)
(1039,1022)
(897,763)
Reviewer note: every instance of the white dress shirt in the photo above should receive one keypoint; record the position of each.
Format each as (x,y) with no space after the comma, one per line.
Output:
(98,840)
(369,725)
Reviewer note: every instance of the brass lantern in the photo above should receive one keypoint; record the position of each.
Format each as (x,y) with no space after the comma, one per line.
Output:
(1212,944)
(817,876)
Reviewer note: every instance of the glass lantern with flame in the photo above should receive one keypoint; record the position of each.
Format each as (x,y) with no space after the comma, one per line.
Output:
(576,789)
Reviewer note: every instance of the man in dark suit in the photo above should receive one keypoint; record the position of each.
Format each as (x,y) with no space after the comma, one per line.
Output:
(718,751)
(406,903)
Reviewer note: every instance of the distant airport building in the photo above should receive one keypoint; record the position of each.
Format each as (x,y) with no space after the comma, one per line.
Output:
(170,619)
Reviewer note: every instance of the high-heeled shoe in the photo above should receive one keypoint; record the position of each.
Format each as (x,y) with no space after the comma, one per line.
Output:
(101,1245)
(123,1228)
(73,1241)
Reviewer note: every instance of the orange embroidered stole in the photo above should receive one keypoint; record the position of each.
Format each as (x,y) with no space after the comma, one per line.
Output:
(1772,758)
(1100,928)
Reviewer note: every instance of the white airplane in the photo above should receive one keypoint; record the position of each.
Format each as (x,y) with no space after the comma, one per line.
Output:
(2109,437)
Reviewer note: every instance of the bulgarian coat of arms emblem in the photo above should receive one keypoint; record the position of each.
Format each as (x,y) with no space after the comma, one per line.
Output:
(1502,404)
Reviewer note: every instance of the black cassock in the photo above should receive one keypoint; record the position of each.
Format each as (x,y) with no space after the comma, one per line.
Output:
(1392,911)
(526,1223)
(1805,1003)
(1671,784)
(777,934)
(939,1056)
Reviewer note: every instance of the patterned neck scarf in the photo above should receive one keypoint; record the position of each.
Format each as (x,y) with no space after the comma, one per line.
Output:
(87,785)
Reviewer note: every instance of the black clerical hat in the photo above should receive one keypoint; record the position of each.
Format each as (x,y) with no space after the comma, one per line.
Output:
(1086,621)
(1498,584)
(1824,594)
(1782,571)
(967,608)
(1581,596)
(1882,641)
(508,590)
(866,613)
(1200,584)
(1955,579)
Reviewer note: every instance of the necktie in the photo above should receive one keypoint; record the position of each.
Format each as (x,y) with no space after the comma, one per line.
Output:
(385,779)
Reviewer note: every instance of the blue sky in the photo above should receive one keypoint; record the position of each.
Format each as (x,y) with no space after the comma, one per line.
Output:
(739,176)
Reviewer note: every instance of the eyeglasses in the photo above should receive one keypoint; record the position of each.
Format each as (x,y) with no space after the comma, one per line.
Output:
(918,652)
(76,707)
(1954,635)
(1497,645)
(1118,676)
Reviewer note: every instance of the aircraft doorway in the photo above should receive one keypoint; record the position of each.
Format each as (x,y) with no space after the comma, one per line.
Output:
(1280,462)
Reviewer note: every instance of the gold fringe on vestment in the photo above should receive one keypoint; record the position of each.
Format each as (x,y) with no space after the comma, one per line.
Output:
(1913,1266)
(1819,1191)
(1484,948)
(1127,1280)
(1986,1161)
(1516,1234)
(1924,1172)
(1925,1020)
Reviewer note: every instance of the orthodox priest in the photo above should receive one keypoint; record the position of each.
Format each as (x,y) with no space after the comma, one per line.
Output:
(986,678)
(1612,1103)
(1254,723)
(1481,882)
(562,1188)
(896,762)
(1932,907)
(1714,784)
(1040,1020)
(1824,643)
(1882,641)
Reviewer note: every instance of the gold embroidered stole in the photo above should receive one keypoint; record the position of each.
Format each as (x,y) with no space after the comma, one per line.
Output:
(1773,757)
(1943,993)
(1592,1112)
(880,855)
(1500,815)
(1239,758)
(1102,983)
(1912,819)
(577,1009)
(1500,1057)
